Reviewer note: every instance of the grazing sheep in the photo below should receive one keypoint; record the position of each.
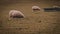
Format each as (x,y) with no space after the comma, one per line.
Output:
(35,8)
(15,14)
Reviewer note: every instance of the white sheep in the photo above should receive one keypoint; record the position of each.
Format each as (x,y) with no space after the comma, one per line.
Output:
(15,14)
(35,8)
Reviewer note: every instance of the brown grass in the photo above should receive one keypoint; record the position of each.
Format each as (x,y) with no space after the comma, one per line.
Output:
(39,22)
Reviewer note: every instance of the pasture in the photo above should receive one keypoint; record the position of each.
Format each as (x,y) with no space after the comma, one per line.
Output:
(39,22)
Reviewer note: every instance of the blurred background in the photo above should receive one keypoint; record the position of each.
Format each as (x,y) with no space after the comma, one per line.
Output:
(39,22)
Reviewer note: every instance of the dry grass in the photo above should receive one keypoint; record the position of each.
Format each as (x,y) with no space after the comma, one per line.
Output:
(39,22)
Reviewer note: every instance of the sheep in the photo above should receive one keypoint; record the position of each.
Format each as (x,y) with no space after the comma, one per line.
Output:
(35,8)
(15,14)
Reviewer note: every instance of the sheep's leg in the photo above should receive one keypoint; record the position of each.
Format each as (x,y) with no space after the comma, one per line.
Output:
(33,10)
(10,17)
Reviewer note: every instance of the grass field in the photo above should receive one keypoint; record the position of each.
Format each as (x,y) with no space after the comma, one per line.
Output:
(39,22)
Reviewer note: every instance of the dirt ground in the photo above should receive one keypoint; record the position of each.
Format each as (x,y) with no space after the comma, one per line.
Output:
(39,22)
